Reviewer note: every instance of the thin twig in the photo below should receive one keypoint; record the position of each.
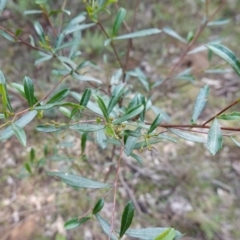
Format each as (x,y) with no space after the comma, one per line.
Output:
(19,40)
(130,193)
(200,29)
(115,193)
(112,45)
(219,113)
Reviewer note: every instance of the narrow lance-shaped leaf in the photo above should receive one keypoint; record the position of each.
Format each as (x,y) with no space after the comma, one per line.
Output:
(127,218)
(50,128)
(83,142)
(75,222)
(131,114)
(84,127)
(77,181)
(187,136)
(235,141)
(137,157)
(40,32)
(106,227)
(29,91)
(22,122)
(215,139)
(85,97)
(149,233)
(2,5)
(59,96)
(155,123)
(230,116)
(169,31)
(141,33)
(118,21)
(200,103)
(131,142)
(141,99)
(101,138)
(98,207)
(227,55)
(103,108)
(20,134)
(168,234)
(116,95)
(4,95)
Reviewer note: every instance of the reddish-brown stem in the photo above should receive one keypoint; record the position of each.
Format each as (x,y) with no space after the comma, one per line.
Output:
(21,41)
(115,193)
(49,22)
(222,111)
(112,45)
(200,29)
(193,126)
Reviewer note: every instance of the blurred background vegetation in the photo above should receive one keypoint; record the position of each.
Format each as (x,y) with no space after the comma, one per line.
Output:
(179,185)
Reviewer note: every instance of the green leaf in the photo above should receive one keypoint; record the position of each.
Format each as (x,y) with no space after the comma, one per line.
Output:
(138,73)
(29,91)
(56,104)
(168,234)
(20,134)
(7,36)
(127,218)
(85,97)
(137,34)
(39,31)
(227,55)
(235,141)
(215,139)
(2,116)
(19,88)
(131,142)
(22,122)
(200,102)
(32,12)
(32,155)
(218,22)
(50,128)
(77,181)
(85,78)
(81,27)
(130,114)
(116,95)
(118,21)
(169,31)
(91,106)
(230,116)
(105,226)
(2,5)
(138,158)
(75,222)
(4,95)
(101,138)
(149,233)
(28,167)
(43,59)
(83,142)
(187,136)
(54,12)
(84,127)
(98,207)
(103,108)
(155,123)
(59,96)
